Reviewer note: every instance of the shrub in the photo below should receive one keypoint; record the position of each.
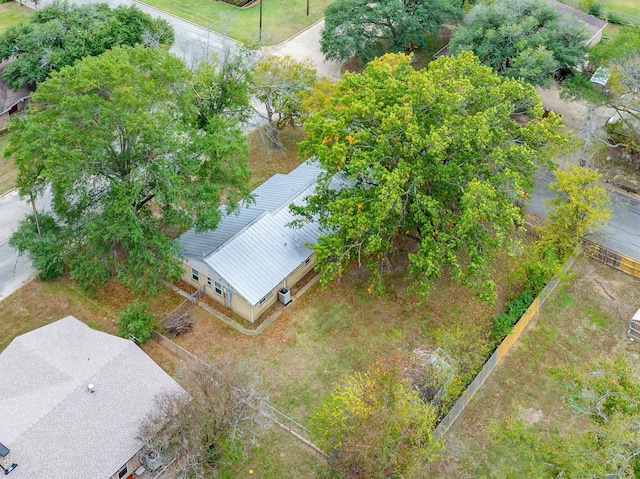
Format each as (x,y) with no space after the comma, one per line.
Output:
(503,323)
(595,9)
(135,322)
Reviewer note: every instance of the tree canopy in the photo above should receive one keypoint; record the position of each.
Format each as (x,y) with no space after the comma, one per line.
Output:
(376,425)
(61,34)
(118,140)
(280,84)
(369,29)
(442,157)
(522,39)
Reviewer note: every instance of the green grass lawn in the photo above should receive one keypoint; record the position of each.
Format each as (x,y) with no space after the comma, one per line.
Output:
(281,19)
(586,317)
(631,7)
(8,171)
(12,12)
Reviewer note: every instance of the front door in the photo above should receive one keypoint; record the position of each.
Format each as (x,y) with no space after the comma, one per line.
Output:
(228,296)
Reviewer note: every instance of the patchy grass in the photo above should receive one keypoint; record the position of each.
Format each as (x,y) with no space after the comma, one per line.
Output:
(583,319)
(12,13)
(281,19)
(8,170)
(265,161)
(39,303)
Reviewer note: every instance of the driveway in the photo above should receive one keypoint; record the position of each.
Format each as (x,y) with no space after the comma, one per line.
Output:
(306,46)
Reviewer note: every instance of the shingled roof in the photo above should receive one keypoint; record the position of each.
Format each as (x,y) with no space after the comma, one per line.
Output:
(53,425)
(8,97)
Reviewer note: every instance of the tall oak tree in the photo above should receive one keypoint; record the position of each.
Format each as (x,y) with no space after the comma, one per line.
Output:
(443,156)
(119,140)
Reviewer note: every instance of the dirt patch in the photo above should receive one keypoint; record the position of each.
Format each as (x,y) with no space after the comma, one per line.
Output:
(585,317)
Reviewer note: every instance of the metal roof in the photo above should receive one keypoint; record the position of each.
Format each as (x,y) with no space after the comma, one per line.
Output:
(268,197)
(263,255)
(50,421)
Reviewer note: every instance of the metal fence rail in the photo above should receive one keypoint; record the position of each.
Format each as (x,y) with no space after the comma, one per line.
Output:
(616,260)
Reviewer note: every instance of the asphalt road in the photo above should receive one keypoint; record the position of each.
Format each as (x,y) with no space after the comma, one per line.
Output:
(192,42)
(14,269)
(621,234)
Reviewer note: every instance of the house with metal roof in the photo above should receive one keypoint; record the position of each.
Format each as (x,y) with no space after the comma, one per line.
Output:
(71,401)
(254,257)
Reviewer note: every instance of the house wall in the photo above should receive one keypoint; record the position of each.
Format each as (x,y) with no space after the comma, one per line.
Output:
(596,38)
(16,109)
(132,465)
(239,304)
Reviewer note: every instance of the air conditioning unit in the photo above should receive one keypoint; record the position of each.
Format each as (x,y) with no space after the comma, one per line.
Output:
(284,296)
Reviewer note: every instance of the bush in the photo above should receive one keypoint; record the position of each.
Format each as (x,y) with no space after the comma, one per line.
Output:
(46,250)
(503,323)
(595,9)
(135,322)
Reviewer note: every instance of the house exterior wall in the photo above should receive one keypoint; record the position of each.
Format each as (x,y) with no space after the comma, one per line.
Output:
(133,464)
(16,109)
(596,38)
(239,304)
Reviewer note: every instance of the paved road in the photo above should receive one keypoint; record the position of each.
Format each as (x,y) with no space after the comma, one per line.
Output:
(192,42)
(14,269)
(621,234)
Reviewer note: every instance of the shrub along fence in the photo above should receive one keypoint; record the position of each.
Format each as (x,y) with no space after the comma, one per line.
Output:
(500,352)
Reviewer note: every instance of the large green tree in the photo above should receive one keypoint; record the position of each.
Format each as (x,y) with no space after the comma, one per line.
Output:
(522,39)
(441,156)
(375,425)
(369,29)
(580,206)
(61,34)
(119,141)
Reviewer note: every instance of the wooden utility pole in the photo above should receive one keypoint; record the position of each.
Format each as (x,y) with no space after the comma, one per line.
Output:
(260,30)
(35,215)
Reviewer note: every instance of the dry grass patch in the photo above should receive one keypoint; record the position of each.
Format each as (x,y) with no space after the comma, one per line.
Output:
(584,318)
(8,170)
(38,303)
(265,161)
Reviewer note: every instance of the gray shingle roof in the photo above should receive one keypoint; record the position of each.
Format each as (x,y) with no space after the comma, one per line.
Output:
(592,23)
(53,425)
(8,97)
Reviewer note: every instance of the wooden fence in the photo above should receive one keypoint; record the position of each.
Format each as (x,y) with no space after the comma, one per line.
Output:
(499,353)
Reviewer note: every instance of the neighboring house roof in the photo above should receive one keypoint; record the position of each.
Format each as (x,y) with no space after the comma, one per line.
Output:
(255,250)
(593,24)
(50,421)
(8,97)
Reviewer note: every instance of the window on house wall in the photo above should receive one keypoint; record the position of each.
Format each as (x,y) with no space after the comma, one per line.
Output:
(195,275)
(217,287)
(307,260)
(123,472)
(208,281)
(266,297)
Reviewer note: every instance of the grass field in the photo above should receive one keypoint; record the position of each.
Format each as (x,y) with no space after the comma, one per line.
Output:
(8,171)
(12,12)
(281,19)
(584,318)
(631,7)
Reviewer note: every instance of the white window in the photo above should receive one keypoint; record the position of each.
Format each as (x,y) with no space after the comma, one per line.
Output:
(208,281)
(123,472)
(195,275)
(218,288)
